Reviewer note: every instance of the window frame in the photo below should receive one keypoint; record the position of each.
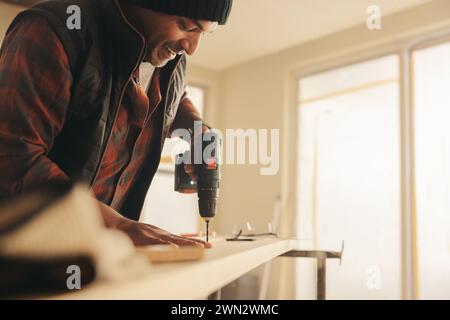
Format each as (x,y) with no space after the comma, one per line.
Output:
(404,49)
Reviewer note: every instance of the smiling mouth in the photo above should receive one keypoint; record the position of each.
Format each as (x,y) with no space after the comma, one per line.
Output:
(170,53)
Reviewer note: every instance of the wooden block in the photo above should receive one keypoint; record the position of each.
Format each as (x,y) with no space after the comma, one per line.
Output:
(168,253)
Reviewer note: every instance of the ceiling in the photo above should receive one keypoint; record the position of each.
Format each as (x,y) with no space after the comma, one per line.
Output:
(261,27)
(258,28)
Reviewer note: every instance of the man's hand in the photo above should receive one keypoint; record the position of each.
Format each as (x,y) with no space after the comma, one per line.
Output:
(144,234)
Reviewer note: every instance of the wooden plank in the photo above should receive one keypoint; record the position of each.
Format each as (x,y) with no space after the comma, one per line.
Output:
(168,253)
(222,264)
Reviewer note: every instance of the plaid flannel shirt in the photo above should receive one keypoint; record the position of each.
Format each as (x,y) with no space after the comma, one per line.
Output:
(35,90)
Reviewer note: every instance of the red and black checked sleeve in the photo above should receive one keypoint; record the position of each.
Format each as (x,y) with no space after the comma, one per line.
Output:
(35,82)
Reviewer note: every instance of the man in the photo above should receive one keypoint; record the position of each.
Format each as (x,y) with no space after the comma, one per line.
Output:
(73,106)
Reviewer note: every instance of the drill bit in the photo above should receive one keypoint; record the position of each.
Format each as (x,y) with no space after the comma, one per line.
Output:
(207,231)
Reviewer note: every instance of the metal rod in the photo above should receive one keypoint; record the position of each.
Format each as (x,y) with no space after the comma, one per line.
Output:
(321,269)
(321,293)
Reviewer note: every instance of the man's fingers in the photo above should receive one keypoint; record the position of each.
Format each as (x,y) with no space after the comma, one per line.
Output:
(208,245)
(204,243)
(192,237)
(198,242)
(147,240)
(185,242)
(169,243)
(143,234)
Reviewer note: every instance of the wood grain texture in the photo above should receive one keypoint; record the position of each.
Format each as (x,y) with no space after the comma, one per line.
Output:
(167,253)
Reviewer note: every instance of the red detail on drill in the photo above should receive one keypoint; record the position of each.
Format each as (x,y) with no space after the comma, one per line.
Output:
(188,191)
(212,164)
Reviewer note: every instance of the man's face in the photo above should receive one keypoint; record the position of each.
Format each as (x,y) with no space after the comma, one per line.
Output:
(167,35)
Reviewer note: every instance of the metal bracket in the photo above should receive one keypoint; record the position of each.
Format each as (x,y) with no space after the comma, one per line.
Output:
(321,258)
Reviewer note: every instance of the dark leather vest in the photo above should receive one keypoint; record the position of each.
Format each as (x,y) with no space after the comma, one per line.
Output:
(103,56)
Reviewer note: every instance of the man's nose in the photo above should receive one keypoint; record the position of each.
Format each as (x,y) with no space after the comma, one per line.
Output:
(190,44)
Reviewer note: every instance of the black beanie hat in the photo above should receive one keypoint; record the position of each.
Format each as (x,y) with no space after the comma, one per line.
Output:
(212,10)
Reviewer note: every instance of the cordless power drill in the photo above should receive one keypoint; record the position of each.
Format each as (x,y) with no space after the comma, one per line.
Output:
(208,176)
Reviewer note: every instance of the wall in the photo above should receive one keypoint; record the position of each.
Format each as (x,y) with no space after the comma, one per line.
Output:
(8,12)
(211,81)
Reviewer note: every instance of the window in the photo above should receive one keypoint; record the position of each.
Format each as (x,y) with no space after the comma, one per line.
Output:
(349,173)
(349,176)
(165,208)
(432,117)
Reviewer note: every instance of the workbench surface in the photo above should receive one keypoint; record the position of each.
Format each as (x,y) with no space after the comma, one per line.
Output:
(222,264)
